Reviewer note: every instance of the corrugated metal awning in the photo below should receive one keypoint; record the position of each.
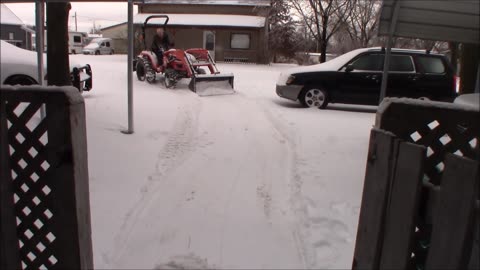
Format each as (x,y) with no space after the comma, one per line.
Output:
(264,3)
(457,21)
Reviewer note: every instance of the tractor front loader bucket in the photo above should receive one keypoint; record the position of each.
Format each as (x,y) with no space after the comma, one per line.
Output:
(212,84)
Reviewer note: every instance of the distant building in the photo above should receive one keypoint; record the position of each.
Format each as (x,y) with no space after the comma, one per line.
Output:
(118,33)
(13,30)
(233,31)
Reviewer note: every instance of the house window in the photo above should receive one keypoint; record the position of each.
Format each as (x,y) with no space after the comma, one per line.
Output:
(11,36)
(77,39)
(240,41)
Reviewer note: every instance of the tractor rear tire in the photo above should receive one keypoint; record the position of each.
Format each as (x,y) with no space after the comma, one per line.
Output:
(140,67)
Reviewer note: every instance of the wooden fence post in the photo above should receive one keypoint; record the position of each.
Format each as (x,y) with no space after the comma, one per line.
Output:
(48,189)
(380,163)
(403,207)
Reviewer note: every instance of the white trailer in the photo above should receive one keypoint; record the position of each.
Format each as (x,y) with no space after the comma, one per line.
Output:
(76,42)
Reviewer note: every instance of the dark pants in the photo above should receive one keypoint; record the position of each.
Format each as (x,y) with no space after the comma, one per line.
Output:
(159,55)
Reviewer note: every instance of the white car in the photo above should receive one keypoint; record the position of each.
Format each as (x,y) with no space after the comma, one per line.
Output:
(99,46)
(19,66)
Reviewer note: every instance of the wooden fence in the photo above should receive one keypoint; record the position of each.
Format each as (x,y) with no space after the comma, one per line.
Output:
(420,205)
(45,211)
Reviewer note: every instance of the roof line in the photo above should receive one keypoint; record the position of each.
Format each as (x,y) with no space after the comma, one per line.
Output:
(18,18)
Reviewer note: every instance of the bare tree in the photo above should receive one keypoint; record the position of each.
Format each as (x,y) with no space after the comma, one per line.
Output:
(323,19)
(362,22)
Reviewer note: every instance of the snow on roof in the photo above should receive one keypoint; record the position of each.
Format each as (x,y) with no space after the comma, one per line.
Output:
(205,20)
(265,3)
(8,17)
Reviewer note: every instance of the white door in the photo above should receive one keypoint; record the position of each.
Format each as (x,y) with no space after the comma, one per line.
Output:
(209,42)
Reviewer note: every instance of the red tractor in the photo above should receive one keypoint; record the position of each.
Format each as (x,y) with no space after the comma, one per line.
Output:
(178,64)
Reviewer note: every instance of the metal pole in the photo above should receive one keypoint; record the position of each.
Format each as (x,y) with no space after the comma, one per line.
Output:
(130,68)
(76,29)
(39,40)
(386,62)
(39,21)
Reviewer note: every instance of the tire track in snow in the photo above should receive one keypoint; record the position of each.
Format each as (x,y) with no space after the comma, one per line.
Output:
(298,206)
(179,145)
(271,194)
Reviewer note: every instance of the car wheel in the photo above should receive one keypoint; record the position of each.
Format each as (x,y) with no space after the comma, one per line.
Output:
(97,52)
(140,70)
(21,80)
(74,52)
(314,97)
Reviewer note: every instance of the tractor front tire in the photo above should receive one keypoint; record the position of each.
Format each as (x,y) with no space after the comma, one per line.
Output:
(169,78)
(149,72)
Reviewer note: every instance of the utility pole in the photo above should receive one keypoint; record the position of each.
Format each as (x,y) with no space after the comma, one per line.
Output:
(76,30)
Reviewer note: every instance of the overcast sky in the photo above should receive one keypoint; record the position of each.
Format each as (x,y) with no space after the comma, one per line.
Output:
(102,14)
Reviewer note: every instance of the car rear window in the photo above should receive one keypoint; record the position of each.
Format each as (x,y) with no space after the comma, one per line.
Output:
(431,64)
(401,63)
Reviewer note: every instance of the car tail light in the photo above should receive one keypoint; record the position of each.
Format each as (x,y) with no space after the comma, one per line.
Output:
(456,83)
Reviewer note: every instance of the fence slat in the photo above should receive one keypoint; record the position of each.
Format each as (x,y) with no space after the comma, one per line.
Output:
(454,215)
(380,162)
(8,228)
(401,213)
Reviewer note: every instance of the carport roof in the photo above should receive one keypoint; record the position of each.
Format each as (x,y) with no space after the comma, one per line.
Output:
(457,21)
(206,20)
(265,3)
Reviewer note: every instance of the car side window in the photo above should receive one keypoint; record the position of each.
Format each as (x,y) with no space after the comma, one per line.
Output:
(432,65)
(401,63)
(103,44)
(371,62)
(108,44)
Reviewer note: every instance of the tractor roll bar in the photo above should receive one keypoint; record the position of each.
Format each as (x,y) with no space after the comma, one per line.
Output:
(146,22)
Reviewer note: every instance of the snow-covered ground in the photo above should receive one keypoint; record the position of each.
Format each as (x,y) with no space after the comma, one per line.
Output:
(248,180)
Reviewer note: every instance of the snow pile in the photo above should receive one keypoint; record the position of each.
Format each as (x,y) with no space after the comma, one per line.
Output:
(215,87)
(469,101)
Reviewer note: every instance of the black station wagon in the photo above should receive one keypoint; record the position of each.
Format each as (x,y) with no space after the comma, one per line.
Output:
(355,78)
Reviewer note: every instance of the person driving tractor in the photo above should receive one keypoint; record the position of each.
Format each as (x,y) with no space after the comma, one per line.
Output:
(161,42)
